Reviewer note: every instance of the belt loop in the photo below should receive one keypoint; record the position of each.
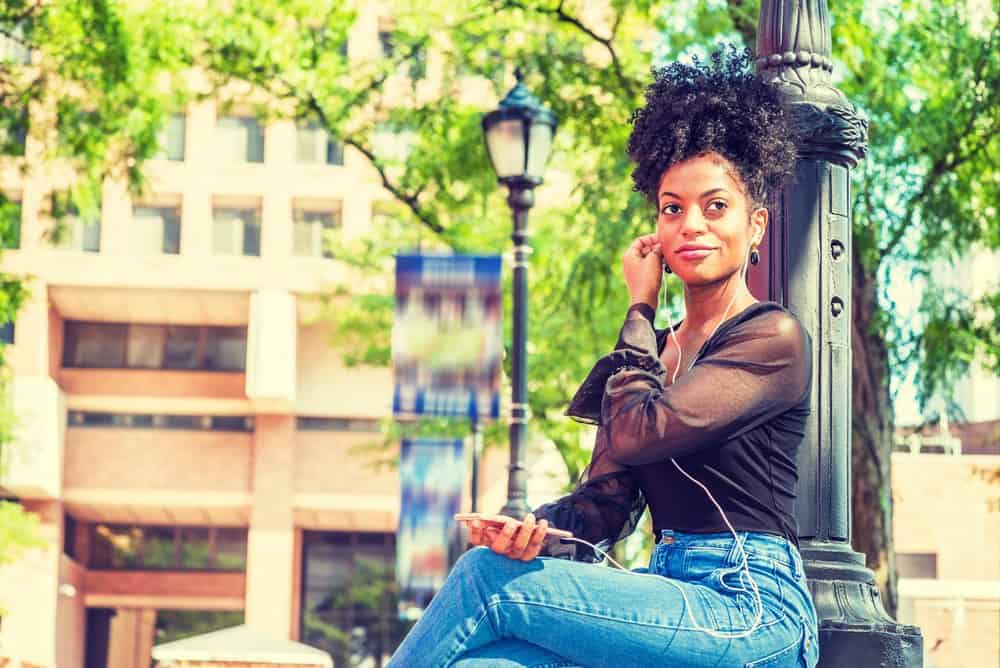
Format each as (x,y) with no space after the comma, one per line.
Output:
(794,558)
(666,536)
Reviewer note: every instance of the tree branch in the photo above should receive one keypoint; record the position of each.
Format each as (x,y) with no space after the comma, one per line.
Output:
(607,42)
(410,200)
(744,24)
(944,164)
(308,99)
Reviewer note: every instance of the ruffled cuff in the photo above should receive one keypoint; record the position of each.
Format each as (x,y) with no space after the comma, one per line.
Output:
(585,405)
(636,349)
(561,515)
(643,309)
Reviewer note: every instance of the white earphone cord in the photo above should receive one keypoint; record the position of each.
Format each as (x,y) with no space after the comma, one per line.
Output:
(744,568)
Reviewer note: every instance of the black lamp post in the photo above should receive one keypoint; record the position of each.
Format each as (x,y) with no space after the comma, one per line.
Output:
(518,140)
(807,262)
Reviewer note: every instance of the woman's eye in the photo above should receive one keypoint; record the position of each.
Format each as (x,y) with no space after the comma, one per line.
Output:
(670,209)
(717,205)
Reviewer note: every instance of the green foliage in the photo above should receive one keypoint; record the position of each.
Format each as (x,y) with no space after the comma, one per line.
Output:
(179,624)
(591,75)
(102,74)
(926,74)
(928,77)
(369,597)
(18,532)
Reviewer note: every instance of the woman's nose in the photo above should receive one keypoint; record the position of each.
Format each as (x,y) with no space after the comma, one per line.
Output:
(693,222)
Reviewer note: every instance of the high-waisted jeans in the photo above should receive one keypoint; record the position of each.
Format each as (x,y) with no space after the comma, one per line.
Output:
(503,613)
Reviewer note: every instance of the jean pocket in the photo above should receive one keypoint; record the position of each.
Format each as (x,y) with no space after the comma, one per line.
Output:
(700,562)
(800,654)
(733,584)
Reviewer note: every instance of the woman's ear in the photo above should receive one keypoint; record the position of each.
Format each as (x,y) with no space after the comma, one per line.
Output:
(759,220)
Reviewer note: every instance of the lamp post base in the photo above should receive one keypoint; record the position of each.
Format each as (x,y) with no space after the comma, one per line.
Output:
(854,628)
(516,508)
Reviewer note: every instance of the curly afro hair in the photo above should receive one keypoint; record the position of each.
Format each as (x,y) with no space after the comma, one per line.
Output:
(720,107)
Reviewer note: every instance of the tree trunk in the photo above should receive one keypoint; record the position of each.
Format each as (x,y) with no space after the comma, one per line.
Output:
(871,427)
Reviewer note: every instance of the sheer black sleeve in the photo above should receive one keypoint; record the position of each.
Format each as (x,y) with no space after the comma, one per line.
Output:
(753,372)
(586,403)
(604,508)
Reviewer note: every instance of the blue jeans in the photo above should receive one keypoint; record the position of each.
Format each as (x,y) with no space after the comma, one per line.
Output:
(499,612)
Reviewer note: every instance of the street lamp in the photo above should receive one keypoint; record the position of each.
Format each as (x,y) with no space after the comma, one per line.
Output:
(518,139)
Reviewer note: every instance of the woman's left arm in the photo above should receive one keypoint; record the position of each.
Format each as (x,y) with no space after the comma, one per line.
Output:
(759,370)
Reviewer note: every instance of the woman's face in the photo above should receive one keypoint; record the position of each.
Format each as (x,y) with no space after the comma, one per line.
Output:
(706,223)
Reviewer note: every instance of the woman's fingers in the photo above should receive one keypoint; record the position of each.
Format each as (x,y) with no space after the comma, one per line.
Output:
(503,540)
(535,543)
(523,537)
(476,532)
(515,539)
(643,246)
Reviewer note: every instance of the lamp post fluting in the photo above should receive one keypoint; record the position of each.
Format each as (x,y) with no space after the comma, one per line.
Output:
(807,266)
(518,140)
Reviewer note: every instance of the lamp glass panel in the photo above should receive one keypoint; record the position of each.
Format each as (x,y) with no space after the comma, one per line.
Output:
(505,140)
(539,147)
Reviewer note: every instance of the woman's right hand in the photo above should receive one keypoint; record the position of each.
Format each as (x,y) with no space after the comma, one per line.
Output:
(516,539)
(642,265)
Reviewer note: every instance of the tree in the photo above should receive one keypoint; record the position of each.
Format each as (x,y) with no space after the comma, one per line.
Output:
(357,621)
(922,197)
(84,83)
(931,89)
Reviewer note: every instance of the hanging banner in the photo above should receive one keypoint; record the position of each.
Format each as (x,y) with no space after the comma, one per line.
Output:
(432,475)
(446,337)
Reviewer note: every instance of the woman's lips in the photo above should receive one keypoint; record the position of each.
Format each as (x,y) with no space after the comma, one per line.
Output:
(695,254)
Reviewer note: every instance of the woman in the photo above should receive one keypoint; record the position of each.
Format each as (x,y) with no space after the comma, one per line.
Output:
(703,429)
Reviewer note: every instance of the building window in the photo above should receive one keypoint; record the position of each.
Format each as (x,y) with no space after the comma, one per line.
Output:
(309,423)
(104,345)
(310,226)
(225,348)
(179,624)
(139,547)
(171,138)
(386,41)
(349,605)
(75,230)
(69,535)
(236,231)
(313,145)
(917,564)
(240,139)
(236,423)
(13,130)
(156,229)
(14,47)
(10,224)
(7,332)
(417,65)
(94,345)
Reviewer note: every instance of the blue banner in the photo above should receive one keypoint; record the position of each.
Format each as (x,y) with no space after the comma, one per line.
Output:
(446,336)
(432,476)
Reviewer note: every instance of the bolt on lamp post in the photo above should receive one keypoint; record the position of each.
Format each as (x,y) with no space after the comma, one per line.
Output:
(518,140)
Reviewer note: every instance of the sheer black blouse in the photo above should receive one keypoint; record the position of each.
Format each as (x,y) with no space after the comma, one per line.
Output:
(734,422)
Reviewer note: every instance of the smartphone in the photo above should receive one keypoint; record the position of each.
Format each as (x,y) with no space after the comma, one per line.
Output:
(499,522)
